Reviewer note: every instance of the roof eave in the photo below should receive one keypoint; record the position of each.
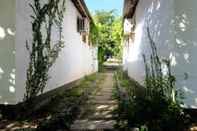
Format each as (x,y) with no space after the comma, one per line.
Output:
(82,8)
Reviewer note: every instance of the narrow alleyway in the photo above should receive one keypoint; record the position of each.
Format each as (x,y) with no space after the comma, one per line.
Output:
(98,114)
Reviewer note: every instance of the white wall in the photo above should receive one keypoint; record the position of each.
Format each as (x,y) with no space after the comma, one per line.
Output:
(76,60)
(186,48)
(128,43)
(23,34)
(164,18)
(7,51)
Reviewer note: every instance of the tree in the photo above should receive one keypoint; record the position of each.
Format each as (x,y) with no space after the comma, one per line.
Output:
(109,27)
(117,37)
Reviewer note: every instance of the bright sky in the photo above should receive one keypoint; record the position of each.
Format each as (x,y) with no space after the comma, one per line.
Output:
(105,5)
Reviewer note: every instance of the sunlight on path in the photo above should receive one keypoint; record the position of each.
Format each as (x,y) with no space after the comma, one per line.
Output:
(98,114)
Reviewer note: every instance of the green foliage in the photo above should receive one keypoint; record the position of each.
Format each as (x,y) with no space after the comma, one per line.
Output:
(155,106)
(104,17)
(93,34)
(109,37)
(42,51)
(157,79)
(117,37)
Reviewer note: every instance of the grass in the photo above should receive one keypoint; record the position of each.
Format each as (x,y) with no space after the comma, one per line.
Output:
(64,107)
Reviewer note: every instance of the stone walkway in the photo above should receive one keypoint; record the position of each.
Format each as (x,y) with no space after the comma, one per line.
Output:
(98,112)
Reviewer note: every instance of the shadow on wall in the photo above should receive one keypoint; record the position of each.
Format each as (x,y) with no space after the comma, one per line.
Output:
(186,48)
(7,51)
(176,40)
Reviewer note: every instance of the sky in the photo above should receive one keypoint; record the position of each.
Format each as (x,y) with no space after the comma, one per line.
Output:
(105,5)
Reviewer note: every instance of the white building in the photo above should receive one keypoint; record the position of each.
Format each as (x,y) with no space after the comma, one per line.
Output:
(77,59)
(173,26)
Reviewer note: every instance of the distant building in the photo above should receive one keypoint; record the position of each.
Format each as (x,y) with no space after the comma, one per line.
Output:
(173,27)
(77,59)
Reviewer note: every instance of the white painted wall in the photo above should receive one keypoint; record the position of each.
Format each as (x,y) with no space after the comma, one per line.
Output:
(76,60)
(186,48)
(7,51)
(173,27)
(128,43)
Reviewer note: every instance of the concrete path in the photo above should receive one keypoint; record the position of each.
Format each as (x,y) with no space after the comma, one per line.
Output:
(98,114)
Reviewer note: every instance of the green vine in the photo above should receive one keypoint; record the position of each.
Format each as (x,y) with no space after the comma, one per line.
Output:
(93,36)
(156,80)
(42,51)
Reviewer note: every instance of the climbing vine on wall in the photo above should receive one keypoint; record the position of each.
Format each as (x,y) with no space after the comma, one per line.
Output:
(93,33)
(43,52)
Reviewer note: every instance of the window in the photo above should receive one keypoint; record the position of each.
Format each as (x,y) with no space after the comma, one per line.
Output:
(81,28)
(80,24)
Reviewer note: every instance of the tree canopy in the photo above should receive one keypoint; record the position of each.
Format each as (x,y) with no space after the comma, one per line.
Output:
(109,37)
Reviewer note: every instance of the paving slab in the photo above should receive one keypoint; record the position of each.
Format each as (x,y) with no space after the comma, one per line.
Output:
(99,113)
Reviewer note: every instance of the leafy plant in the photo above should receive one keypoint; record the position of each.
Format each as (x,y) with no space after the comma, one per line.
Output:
(93,33)
(109,35)
(156,79)
(42,51)
(155,106)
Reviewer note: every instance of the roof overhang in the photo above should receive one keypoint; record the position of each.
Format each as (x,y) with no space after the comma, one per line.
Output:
(129,8)
(82,8)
